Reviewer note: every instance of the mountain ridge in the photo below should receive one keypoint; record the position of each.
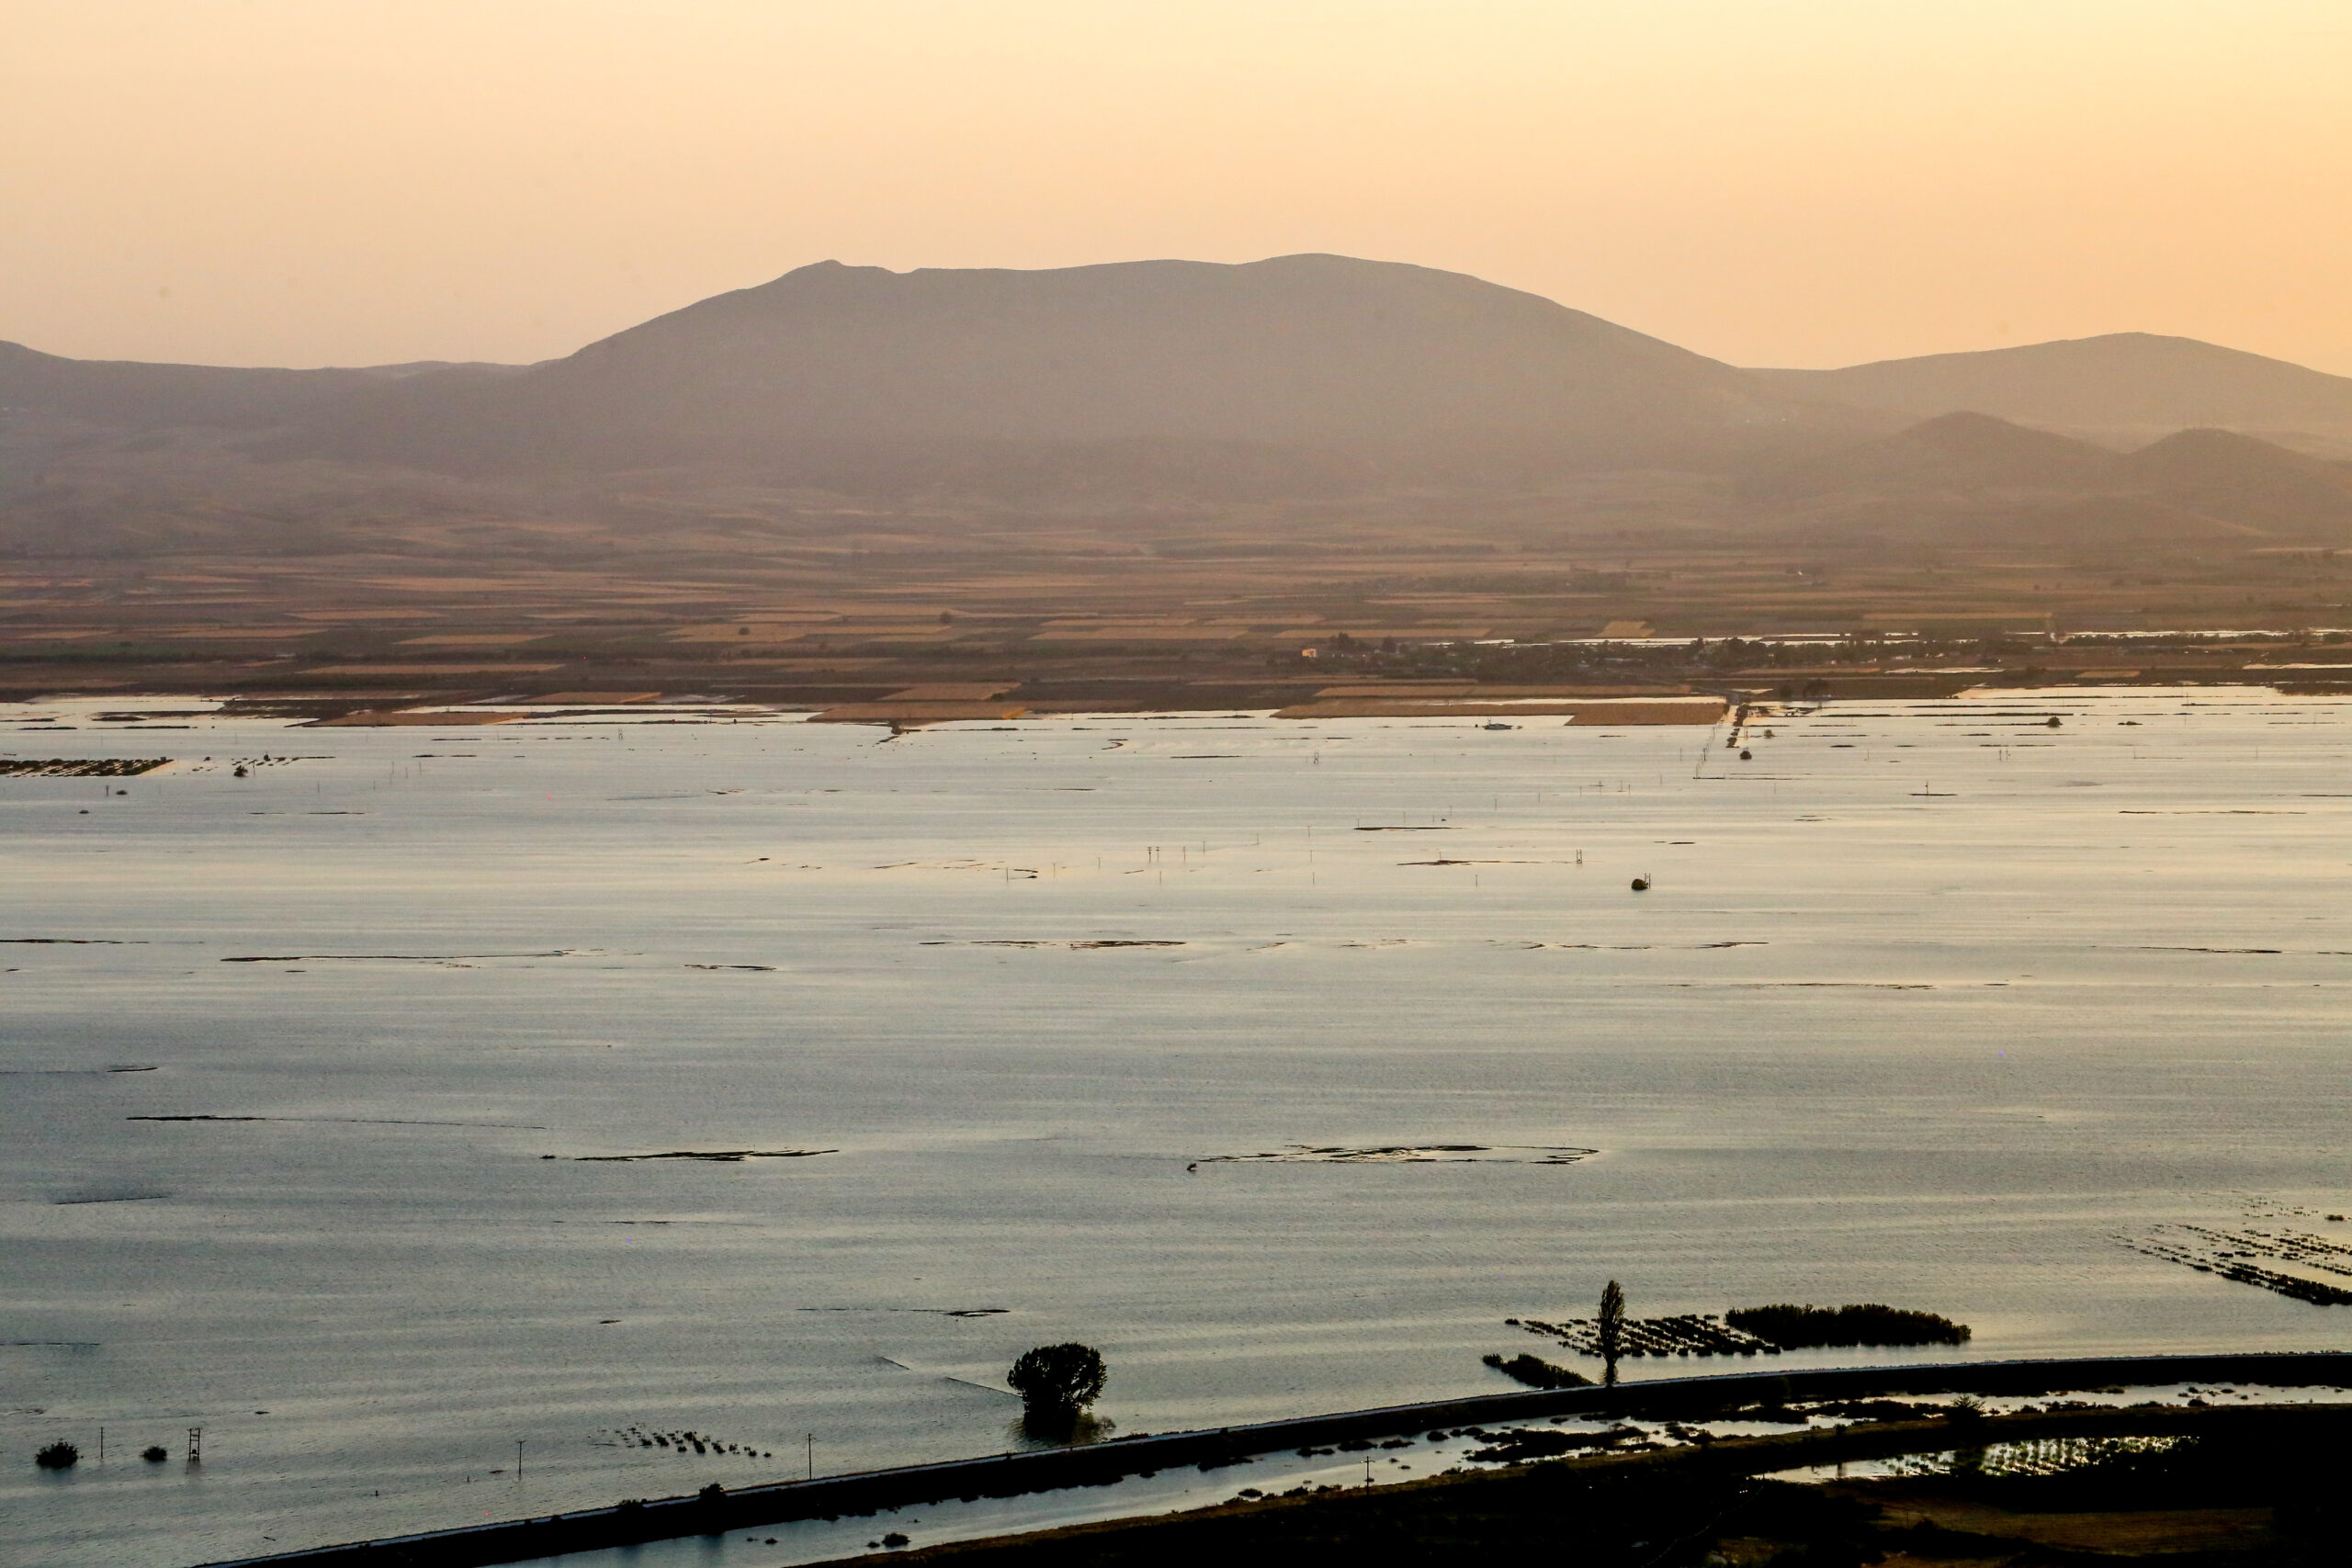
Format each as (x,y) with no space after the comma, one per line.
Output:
(1311,376)
(1310,352)
(2120,384)
(1973,474)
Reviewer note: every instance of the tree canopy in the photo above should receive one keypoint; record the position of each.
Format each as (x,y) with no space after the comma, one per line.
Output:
(1058,1379)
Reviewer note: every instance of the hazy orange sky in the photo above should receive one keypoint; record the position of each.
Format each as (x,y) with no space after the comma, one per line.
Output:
(1772,182)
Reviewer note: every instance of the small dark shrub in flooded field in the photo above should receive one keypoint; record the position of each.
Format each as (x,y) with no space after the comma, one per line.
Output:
(58,1456)
(1537,1372)
(1055,1383)
(1794,1327)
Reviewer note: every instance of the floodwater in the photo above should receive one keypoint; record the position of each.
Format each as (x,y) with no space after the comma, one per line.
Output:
(1289,1472)
(311,1081)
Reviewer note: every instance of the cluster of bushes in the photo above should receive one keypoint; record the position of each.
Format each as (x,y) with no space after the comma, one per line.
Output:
(65,1456)
(1521,1444)
(1794,1327)
(1537,1372)
(679,1442)
(1055,1383)
(2294,1472)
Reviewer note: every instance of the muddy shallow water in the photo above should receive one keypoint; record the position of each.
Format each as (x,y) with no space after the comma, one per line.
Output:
(327,1092)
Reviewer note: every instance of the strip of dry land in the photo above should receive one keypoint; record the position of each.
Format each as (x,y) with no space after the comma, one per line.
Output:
(1571,597)
(2266,1478)
(1297,1529)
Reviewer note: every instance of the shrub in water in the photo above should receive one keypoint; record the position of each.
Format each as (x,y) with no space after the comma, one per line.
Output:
(1536,1373)
(154,1453)
(58,1456)
(1056,1381)
(1794,1327)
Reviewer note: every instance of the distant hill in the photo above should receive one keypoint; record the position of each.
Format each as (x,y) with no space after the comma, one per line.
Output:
(2122,383)
(1954,452)
(1142,368)
(2226,474)
(1959,475)
(132,395)
(1301,377)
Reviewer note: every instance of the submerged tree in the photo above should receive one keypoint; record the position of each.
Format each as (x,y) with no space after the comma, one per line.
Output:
(1056,1381)
(1609,1325)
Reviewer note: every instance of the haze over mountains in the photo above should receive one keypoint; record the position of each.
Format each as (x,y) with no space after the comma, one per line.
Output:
(1308,376)
(1973,476)
(2122,385)
(136,396)
(861,373)
(1317,353)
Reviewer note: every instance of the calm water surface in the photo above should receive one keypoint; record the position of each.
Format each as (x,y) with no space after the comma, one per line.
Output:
(1930,1004)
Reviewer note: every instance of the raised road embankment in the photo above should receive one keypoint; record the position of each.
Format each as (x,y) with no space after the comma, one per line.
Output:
(1004,1475)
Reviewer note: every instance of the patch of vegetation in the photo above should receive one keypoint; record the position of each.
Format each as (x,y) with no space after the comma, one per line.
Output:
(1686,1334)
(1794,1327)
(1056,1381)
(154,1453)
(1537,1372)
(58,1456)
(2291,1473)
(1521,1444)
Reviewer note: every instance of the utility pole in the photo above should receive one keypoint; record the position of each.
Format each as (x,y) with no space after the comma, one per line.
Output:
(518,1459)
(812,1456)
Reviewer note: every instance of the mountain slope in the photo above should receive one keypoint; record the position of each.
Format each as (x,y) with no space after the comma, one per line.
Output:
(132,395)
(1310,352)
(2222,473)
(2124,381)
(1963,477)
(1952,453)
